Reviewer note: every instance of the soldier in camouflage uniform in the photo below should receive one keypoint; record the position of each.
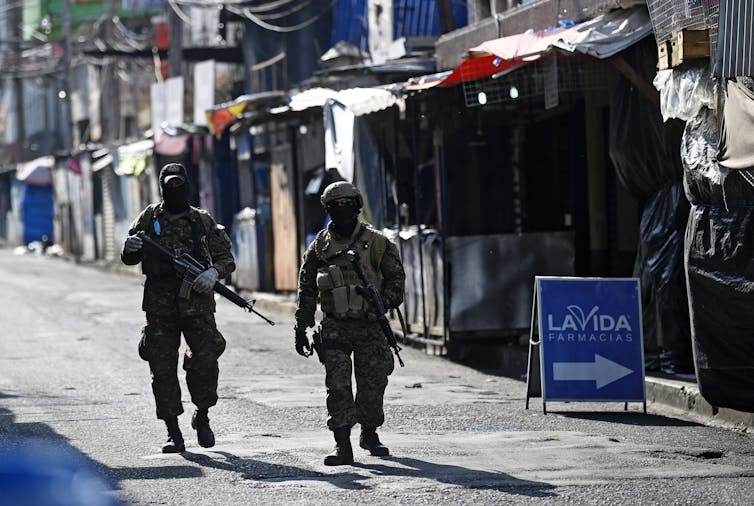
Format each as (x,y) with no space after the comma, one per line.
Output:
(348,326)
(182,228)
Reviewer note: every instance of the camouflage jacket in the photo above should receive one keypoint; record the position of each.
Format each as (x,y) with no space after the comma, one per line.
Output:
(195,233)
(388,266)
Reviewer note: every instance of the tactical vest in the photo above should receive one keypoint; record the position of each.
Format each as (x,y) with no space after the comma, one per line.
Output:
(337,280)
(200,225)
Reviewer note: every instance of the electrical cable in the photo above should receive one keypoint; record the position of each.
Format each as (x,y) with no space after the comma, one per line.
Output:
(181,15)
(280,29)
(292,10)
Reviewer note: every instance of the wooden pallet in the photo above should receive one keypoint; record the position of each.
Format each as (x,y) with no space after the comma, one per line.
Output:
(685,45)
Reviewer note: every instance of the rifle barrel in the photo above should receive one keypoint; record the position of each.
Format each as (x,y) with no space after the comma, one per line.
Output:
(219,287)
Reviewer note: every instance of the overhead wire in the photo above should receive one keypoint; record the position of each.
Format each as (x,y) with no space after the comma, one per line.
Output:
(292,10)
(280,29)
(181,15)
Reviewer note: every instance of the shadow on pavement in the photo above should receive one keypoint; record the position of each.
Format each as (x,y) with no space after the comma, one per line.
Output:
(252,469)
(626,418)
(462,476)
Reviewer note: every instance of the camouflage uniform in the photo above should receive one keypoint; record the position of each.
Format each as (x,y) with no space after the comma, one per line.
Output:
(169,315)
(351,328)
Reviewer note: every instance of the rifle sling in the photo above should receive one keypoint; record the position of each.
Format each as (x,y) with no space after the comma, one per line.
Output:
(403,324)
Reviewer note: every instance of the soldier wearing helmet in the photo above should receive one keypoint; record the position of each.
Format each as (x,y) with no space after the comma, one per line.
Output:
(348,328)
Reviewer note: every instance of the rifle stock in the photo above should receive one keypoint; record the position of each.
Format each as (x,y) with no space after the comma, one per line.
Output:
(188,268)
(376,301)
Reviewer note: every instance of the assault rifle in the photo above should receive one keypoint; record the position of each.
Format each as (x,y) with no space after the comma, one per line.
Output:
(188,268)
(374,299)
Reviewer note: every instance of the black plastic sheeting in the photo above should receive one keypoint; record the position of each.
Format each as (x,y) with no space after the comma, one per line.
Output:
(720,269)
(644,151)
(659,266)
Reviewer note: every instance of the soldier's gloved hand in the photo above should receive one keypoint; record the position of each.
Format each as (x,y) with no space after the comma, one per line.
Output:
(133,244)
(303,347)
(205,282)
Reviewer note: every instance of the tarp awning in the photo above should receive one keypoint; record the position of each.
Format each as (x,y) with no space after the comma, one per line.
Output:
(223,115)
(527,46)
(314,97)
(303,100)
(37,172)
(133,158)
(600,37)
(361,101)
(608,34)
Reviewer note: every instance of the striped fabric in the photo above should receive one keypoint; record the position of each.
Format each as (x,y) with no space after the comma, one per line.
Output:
(735,39)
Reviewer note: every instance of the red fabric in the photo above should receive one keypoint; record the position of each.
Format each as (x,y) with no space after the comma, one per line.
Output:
(478,67)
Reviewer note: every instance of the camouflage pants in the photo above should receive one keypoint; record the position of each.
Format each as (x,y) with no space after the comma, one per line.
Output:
(160,340)
(372,364)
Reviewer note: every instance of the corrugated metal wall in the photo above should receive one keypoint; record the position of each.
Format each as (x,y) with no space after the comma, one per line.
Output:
(411,18)
(735,39)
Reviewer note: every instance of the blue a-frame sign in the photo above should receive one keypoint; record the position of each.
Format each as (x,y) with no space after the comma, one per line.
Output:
(587,334)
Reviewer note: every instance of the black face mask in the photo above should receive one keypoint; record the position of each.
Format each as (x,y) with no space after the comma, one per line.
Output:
(176,198)
(344,217)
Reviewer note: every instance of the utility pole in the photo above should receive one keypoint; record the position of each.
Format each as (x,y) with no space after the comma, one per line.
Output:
(112,92)
(16,28)
(65,94)
(175,50)
(446,16)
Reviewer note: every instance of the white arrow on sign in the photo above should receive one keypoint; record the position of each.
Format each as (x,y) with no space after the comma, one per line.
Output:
(602,370)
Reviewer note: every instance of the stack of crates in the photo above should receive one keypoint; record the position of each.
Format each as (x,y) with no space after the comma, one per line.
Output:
(684,29)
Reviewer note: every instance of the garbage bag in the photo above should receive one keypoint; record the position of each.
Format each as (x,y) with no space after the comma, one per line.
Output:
(659,266)
(720,270)
(703,177)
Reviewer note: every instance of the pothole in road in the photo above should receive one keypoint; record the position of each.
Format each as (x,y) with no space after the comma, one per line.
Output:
(703,454)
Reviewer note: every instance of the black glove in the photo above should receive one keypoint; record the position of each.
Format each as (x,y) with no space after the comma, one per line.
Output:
(303,347)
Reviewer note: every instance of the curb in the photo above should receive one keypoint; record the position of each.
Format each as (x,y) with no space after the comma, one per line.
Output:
(684,397)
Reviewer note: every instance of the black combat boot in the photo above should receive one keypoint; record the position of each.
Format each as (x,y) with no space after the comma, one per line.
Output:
(342,455)
(204,434)
(370,441)
(175,443)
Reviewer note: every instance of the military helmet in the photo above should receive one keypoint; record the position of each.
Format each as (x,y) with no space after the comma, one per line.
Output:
(341,190)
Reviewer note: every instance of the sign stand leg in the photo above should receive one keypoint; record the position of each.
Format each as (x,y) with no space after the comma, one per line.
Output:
(532,370)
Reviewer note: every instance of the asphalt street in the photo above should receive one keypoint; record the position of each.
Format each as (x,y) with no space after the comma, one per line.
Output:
(70,377)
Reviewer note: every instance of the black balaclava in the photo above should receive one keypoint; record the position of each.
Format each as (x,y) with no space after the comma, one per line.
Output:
(176,198)
(344,214)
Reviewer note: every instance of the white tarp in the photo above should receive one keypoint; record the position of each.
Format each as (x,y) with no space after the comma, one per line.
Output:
(339,124)
(314,97)
(361,101)
(609,33)
(37,172)
(341,112)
